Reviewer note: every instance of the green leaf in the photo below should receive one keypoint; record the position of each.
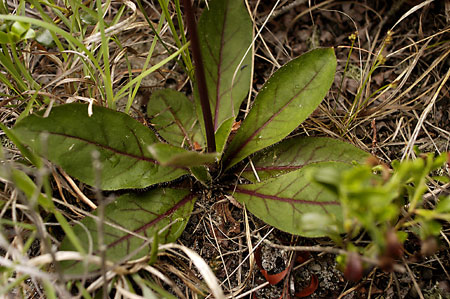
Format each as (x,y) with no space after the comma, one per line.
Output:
(4,38)
(443,205)
(143,215)
(44,37)
(329,178)
(282,201)
(13,37)
(68,137)
(320,224)
(87,18)
(225,34)
(29,34)
(174,118)
(202,174)
(20,28)
(283,103)
(430,228)
(167,154)
(294,153)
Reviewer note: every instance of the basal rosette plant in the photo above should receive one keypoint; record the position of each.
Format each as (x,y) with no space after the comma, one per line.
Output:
(133,156)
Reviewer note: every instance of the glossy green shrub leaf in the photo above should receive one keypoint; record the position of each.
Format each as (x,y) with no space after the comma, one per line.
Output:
(71,136)
(294,153)
(167,154)
(283,103)
(161,210)
(282,201)
(225,33)
(174,118)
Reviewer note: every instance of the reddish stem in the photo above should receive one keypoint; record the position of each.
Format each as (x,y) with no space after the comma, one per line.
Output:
(200,76)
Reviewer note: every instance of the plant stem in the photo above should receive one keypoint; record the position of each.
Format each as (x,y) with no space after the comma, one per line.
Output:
(200,76)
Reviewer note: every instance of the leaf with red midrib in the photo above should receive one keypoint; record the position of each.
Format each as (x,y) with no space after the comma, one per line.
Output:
(225,34)
(143,215)
(121,142)
(294,153)
(284,102)
(173,116)
(281,201)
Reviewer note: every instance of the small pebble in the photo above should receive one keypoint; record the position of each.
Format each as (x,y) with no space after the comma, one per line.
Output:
(315,267)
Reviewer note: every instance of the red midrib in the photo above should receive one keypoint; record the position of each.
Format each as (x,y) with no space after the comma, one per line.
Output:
(219,64)
(181,203)
(285,199)
(252,136)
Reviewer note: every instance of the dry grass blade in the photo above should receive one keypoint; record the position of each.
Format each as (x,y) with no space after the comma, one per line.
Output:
(26,269)
(425,114)
(127,294)
(416,285)
(165,279)
(411,11)
(119,27)
(77,190)
(252,291)
(220,251)
(202,267)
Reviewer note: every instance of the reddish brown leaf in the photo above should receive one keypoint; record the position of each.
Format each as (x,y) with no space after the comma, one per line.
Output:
(197,146)
(394,248)
(276,278)
(273,279)
(429,246)
(302,256)
(354,268)
(313,284)
(236,125)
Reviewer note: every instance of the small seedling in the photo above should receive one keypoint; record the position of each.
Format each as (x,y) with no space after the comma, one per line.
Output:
(385,205)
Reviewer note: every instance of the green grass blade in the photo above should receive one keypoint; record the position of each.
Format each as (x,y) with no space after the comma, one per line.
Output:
(120,93)
(164,5)
(105,53)
(146,63)
(57,30)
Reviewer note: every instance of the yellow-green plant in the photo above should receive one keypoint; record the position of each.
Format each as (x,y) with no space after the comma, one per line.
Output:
(386,204)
